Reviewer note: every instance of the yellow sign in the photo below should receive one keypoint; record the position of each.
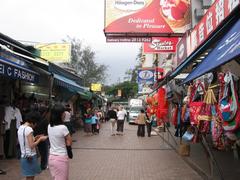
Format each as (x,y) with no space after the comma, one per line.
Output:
(119,93)
(96,87)
(55,52)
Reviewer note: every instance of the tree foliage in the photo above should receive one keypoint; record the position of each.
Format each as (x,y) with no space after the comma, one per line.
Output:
(83,61)
(129,87)
(132,73)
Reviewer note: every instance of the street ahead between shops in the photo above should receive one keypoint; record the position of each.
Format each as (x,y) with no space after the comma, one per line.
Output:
(127,157)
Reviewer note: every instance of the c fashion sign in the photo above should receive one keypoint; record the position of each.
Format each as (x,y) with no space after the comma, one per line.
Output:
(17,72)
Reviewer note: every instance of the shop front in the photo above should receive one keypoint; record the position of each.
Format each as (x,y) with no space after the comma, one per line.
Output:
(14,71)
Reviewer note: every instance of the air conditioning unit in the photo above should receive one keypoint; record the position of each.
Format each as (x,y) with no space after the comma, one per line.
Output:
(207,3)
(199,13)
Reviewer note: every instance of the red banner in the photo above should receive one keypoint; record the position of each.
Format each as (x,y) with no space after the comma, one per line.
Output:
(208,24)
(211,20)
(147,16)
(161,45)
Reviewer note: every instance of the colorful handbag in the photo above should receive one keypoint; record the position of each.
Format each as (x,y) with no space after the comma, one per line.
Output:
(229,107)
(228,103)
(195,106)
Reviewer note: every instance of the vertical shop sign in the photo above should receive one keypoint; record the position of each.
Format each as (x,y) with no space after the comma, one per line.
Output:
(182,50)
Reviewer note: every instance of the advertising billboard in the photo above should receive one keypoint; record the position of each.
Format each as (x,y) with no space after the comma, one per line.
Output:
(161,45)
(147,17)
(96,87)
(145,80)
(55,52)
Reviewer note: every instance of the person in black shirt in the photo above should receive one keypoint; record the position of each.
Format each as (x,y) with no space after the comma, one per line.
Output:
(39,130)
(112,115)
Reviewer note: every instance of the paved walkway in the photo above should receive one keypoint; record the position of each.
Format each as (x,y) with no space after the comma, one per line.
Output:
(127,157)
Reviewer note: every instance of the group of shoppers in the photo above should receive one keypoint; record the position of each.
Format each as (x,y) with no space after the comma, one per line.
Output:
(117,116)
(92,122)
(144,120)
(59,139)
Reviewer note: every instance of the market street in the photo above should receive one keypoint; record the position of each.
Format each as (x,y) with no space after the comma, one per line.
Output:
(127,157)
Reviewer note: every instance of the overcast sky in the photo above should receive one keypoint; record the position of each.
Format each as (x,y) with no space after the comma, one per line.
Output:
(49,21)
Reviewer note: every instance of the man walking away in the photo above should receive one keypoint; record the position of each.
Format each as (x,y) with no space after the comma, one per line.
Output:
(120,120)
(149,124)
(112,115)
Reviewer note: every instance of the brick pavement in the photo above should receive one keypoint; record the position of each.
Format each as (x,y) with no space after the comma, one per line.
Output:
(127,157)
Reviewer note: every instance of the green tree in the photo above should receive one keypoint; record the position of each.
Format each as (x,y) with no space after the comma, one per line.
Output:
(129,87)
(83,61)
(132,74)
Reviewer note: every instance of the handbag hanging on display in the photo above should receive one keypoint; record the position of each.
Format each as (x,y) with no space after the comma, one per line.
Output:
(195,106)
(229,107)
(205,116)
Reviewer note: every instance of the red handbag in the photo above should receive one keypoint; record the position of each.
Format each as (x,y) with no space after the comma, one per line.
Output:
(195,106)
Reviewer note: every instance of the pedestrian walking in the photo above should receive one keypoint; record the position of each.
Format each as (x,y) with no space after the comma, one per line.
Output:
(60,141)
(149,121)
(41,129)
(121,114)
(88,122)
(67,119)
(95,122)
(141,121)
(28,161)
(112,115)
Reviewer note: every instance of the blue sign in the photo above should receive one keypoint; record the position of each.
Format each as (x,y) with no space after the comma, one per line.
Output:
(146,76)
(15,71)
(227,49)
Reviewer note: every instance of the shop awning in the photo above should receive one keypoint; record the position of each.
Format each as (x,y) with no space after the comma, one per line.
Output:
(227,49)
(14,70)
(85,95)
(67,83)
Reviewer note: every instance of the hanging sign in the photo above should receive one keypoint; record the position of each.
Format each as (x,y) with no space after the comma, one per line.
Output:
(161,45)
(55,52)
(146,16)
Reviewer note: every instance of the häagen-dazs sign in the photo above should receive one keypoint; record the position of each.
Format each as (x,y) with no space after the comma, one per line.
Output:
(129,5)
(147,16)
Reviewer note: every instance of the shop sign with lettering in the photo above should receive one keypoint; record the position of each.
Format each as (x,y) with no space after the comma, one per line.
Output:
(161,45)
(208,24)
(17,72)
(211,20)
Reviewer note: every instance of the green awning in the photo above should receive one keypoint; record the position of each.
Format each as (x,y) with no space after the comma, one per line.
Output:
(85,95)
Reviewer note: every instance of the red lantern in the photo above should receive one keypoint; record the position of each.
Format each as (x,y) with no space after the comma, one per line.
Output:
(149,100)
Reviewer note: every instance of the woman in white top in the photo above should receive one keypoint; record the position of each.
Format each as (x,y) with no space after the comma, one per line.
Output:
(29,163)
(60,139)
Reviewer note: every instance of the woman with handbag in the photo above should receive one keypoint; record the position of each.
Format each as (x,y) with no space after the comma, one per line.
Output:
(29,163)
(60,145)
